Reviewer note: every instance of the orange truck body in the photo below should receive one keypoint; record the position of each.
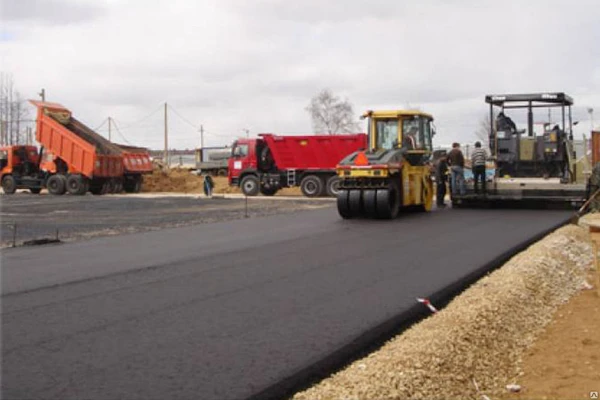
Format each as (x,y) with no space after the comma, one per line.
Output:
(83,150)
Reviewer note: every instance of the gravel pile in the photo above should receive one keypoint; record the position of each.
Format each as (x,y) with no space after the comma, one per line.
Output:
(474,346)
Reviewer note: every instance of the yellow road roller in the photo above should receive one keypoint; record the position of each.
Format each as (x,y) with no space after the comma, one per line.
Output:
(394,173)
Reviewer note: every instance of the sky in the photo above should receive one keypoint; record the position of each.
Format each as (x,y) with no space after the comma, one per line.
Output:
(232,65)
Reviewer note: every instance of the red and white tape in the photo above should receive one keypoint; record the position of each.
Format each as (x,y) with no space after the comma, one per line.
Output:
(428,304)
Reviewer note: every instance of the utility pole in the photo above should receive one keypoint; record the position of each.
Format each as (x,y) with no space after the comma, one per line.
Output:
(247,132)
(110,129)
(43,94)
(166,155)
(591,111)
(201,136)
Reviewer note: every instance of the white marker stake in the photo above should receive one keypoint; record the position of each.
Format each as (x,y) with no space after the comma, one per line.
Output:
(428,304)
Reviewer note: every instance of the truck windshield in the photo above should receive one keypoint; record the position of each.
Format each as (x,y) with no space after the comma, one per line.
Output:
(240,150)
(386,133)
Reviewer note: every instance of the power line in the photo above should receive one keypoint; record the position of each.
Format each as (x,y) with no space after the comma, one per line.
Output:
(101,125)
(119,131)
(183,118)
(126,126)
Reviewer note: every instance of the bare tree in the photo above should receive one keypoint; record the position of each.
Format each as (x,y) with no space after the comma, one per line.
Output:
(331,115)
(482,132)
(14,122)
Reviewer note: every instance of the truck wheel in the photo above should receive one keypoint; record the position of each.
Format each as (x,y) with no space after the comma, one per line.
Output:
(137,186)
(250,185)
(268,190)
(9,185)
(311,186)
(76,185)
(56,184)
(332,186)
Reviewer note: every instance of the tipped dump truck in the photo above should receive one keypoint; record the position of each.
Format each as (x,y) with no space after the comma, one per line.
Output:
(72,158)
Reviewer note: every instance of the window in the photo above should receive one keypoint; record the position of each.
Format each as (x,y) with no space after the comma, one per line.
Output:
(240,150)
(416,133)
(386,134)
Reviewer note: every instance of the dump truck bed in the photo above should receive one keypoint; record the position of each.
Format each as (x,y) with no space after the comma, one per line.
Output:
(74,143)
(318,152)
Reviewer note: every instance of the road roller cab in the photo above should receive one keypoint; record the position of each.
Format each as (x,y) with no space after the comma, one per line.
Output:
(394,173)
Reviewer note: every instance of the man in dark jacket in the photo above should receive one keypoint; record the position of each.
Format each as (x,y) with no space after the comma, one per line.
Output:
(456,160)
(441,178)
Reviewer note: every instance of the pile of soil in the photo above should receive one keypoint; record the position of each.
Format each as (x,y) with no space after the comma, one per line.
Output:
(180,180)
(475,346)
(173,180)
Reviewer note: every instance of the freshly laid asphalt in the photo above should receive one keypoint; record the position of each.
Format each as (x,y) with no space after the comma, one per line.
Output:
(227,310)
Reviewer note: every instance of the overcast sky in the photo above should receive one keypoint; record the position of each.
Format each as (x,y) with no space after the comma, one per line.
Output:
(236,64)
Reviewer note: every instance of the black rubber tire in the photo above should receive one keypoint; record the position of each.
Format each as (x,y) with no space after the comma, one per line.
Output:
(343,205)
(96,190)
(355,201)
(9,185)
(388,202)
(250,185)
(311,186)
(332,186)
(268,191)
(370,203)
(137,186)
(76,185)
(57,185)
(35,190)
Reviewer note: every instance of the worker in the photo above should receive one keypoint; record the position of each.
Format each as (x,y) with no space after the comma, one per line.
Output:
(505,123)
(209,185)
(478,164)
(410,139)
(456,161)
(441,178)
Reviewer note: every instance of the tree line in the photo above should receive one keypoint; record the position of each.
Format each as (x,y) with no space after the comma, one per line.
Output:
(15,121)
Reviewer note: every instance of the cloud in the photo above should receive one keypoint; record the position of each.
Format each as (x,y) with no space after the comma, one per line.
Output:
(51,12)
(232,64)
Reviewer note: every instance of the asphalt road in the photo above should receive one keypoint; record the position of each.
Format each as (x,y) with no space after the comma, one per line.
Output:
(81,217)
(225,312)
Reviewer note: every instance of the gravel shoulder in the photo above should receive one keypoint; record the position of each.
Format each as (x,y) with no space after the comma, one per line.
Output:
(476,345)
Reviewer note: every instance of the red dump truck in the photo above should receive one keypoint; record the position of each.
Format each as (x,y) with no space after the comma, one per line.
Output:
(271,162)
(72,158)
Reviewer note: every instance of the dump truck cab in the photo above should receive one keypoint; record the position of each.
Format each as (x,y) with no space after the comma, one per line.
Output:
(394,172)
(20,168)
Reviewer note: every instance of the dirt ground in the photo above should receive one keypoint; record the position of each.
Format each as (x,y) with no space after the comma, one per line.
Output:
(564,362)
(183,181)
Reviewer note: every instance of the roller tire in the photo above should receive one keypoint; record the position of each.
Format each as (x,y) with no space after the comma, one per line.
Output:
(370,203)
(57,185)
(332,186)
(388,203)
(343,205)
(427,197)
(9,185)
(355,202)
(311,186)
